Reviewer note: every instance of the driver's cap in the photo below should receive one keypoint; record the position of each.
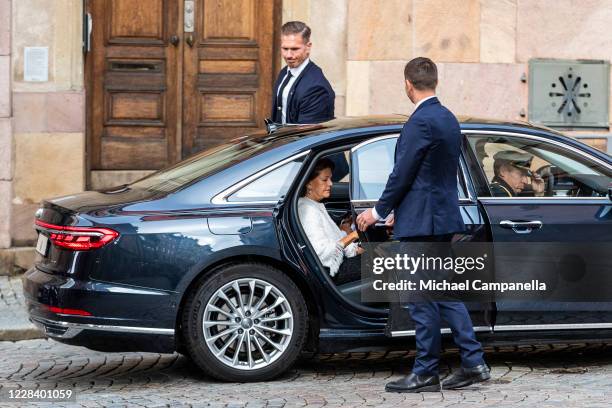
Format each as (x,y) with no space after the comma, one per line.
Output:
(516,159)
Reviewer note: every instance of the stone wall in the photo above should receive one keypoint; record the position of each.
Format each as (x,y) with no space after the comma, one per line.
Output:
(48,124)
(482,48)
(6,133)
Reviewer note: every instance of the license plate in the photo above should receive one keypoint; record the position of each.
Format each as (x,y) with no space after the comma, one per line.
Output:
(41,245)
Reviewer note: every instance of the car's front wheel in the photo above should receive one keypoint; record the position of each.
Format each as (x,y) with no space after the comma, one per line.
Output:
(245,322)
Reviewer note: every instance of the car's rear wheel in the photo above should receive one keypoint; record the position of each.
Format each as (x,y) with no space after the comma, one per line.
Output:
(245,322)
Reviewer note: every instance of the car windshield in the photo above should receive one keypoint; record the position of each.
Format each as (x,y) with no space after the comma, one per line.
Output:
(208,162)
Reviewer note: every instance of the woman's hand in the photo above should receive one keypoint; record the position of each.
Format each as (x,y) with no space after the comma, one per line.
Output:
(360,250)
(350,238)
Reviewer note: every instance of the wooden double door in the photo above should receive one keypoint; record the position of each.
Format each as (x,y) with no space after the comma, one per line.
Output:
(167,78)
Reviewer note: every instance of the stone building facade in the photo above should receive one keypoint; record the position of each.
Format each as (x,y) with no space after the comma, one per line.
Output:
(42,125)
(482,48)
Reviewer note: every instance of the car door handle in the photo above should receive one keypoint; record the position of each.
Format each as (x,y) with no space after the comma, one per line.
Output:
(521,227)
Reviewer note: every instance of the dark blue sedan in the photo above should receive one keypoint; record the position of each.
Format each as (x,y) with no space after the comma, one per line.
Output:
(208,257)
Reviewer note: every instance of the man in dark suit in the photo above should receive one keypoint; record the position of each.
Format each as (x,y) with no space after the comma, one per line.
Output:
(422,192)
(301,93)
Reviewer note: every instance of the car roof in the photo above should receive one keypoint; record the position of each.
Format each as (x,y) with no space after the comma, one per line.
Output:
(363,122)
(291,140)
(312,135)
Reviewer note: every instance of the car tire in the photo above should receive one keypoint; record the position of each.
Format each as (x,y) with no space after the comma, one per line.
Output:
(269,317)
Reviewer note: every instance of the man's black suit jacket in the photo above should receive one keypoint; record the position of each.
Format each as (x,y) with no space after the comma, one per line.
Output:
(422,188)
(310,99)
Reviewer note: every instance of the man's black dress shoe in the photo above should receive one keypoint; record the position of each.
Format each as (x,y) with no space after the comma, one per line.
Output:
(415,383)
(467,376)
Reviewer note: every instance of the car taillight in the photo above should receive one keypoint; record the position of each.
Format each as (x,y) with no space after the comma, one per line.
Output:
(78,238)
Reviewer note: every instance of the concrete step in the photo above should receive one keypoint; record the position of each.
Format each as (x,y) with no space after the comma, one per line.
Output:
(14,323)
(15,261)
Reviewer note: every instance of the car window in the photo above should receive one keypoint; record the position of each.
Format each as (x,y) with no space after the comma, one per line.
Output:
(524,167)
(271,186)
(373,162)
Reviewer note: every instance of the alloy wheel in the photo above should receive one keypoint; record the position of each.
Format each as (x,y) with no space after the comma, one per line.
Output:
(247,324)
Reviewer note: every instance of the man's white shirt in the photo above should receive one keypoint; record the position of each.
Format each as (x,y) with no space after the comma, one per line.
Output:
(422,100)
(374,213)
(295,72)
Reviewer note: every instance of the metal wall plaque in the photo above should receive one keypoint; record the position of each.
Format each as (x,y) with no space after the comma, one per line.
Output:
(569,93)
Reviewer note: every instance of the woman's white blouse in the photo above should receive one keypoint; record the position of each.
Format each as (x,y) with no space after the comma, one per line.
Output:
(323,234)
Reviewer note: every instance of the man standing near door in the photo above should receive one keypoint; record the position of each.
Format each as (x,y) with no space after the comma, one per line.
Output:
(301,93)
(422,192)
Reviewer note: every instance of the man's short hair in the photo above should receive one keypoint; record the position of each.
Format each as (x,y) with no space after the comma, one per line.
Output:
(296,27)
(422,73)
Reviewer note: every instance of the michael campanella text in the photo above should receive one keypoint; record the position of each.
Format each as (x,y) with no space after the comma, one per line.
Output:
(444,285)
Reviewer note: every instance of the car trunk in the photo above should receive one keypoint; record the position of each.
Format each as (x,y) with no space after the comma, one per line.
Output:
(68,235)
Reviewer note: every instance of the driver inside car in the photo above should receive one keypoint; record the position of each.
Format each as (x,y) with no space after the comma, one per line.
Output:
(512,174)
(335,246)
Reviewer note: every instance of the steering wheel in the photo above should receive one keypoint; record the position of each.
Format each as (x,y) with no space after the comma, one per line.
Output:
(549,178)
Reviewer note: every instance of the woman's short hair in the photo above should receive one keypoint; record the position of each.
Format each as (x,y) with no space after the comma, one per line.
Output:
(321,165)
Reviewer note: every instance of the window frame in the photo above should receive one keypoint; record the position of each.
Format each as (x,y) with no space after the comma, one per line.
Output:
(353,174)
(464,179)
(222,197)
(557,143)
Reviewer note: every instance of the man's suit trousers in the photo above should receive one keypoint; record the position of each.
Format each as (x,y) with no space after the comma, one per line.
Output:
(428,317)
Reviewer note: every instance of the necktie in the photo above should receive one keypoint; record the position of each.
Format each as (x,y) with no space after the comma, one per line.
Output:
(279,98)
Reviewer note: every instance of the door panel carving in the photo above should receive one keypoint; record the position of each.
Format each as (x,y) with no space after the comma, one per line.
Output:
(135,108)
(231,107)
(137,21)
(229,20)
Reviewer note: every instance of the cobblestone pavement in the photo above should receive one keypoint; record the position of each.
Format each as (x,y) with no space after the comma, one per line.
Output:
(569,375)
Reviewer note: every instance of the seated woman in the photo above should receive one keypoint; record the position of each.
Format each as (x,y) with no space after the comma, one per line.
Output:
(335,247)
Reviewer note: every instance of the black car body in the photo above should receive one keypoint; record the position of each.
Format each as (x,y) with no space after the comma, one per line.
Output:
(156,265)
